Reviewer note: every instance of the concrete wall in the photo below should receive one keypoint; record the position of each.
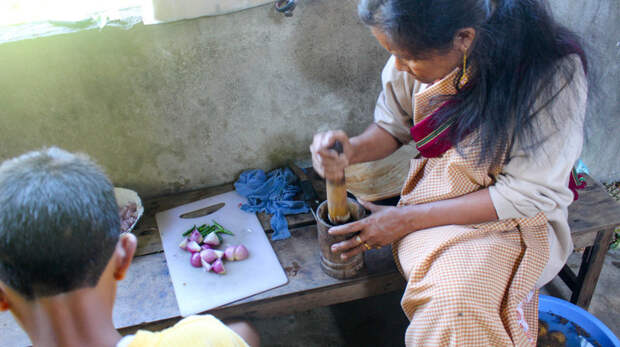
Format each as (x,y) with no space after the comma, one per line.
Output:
(598,22)
(188,104)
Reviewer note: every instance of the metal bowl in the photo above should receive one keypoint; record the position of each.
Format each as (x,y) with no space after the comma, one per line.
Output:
(125,196)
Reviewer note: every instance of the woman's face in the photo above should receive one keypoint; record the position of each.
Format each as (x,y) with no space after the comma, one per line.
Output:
(432,68)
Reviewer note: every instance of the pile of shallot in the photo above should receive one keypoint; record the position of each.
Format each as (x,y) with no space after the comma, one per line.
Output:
(128,215)
(202,243)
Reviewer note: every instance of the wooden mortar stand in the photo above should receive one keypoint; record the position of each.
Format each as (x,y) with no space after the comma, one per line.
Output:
(338,209)
(331,263)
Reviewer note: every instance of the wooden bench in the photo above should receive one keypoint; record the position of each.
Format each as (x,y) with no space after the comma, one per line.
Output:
(146,299)
(593,219)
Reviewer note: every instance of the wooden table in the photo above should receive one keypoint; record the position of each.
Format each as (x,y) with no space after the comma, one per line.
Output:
(146,297)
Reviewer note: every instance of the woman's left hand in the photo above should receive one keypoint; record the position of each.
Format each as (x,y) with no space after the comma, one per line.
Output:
(385,225)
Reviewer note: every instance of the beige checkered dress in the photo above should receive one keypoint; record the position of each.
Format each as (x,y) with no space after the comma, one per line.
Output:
(467,285)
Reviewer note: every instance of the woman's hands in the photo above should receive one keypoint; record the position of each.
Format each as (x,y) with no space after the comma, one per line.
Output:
(326,161)
(385,225)
(373,144)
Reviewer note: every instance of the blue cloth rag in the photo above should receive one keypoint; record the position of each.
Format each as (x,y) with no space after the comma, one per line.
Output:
(272,193)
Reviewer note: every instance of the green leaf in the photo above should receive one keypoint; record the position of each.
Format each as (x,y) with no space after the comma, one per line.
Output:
(616,243)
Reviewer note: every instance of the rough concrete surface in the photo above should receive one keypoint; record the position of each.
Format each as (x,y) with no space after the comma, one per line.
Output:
(179,106)
(189,104)
(598,24)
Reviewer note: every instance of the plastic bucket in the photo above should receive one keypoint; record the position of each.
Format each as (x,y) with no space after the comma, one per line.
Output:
(559,314)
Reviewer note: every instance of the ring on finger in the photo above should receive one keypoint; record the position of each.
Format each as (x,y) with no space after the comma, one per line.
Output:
(367,246)
(358,239)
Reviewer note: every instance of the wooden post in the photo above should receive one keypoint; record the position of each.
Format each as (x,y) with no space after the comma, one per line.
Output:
(590,269)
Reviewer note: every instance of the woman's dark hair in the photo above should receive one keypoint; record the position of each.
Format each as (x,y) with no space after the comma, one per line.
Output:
(515,57)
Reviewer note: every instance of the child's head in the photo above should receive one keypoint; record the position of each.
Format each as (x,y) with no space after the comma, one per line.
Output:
(59,225)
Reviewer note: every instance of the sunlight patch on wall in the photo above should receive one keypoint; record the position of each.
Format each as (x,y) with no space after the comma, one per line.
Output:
(158,11)
(30,11)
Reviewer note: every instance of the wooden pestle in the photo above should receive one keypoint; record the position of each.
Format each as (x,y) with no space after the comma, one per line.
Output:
(337,207)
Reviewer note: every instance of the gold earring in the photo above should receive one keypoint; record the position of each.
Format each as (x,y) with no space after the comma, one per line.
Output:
(464,77)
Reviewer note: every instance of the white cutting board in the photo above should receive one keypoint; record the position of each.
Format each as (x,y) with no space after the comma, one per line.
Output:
(197,291)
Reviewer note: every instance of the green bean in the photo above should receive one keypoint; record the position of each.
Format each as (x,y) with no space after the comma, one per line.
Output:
(222,229)
(189,231)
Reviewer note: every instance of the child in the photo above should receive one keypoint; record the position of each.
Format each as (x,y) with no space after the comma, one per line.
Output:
(61,255)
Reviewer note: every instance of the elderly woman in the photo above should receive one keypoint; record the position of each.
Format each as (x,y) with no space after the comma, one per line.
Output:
(493,94)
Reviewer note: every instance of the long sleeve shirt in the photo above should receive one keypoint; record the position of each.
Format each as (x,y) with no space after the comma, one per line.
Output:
(531,181)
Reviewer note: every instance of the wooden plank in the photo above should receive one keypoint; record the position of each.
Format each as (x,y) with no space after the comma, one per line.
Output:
(366,287)
(146,295)
(146,230)
(583,239)
(590,269)
(294,221)
(149,242)
(595,210)
(363,288)
(146,298)
(568,276)
(299,257)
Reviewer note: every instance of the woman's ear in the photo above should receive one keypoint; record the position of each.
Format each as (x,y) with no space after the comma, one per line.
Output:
(125,249)
(464,39)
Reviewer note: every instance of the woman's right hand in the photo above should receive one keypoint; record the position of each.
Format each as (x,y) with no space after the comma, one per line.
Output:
(326,161)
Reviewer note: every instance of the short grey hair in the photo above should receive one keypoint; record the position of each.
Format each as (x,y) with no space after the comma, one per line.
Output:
(59,222)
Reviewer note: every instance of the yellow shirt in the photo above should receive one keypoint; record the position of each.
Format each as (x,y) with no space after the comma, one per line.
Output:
(192,331)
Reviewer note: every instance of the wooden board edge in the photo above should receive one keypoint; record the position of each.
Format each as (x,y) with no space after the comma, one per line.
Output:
(294,302)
